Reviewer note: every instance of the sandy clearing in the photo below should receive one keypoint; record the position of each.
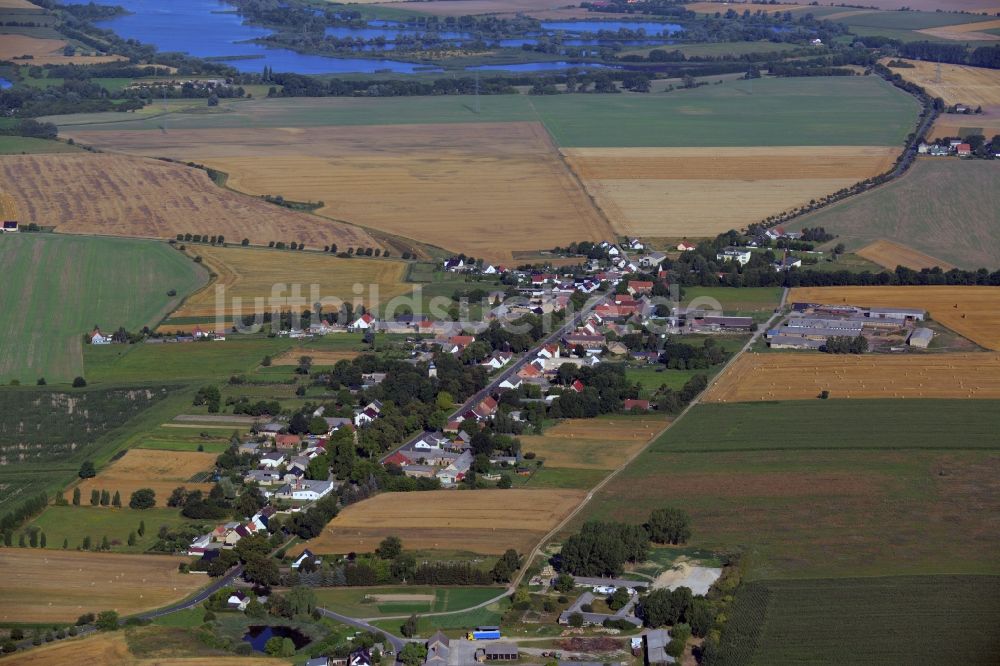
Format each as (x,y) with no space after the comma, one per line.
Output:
(326,357)
(452,185)
(45,51)
(695,192)
(448,519)
(380,598)
(889,255)
(970,311)
(684,574)
(800,376)
(975,86)
(54,586)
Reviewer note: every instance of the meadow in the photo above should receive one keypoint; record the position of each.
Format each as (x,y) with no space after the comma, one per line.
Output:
(972,311)
(851,111)
(746,301)
(826,488)
(444,519)
(59,287)
(119,195)
(593,443)
(13,145)
(800,376)
(899,620)
(59,586)
(252,275)
(942,207)
(74,523)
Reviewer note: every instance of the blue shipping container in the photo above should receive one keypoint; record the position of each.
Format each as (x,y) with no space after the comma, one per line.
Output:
(485,635)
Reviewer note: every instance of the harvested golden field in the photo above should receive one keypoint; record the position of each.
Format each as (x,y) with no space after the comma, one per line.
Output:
(120,195)
(960,84)
(484,521)
(113,648)
(321,357)
(59,586)
(265,276)
(953,124)
(970,311)
(693,192)
(712,7)
(800,376)
(965,31)
(593,443)
(45,51)
(147,468)
(452,185)
(888,254)
(17,4)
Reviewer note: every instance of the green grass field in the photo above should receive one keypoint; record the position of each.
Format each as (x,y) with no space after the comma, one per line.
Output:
(59,287)
(73,523)
(356,602)
(166,438)
(943,207)
(562,477)
(196,360)
(827,489)
(744,302)
(452,625)
(653,377)
(791,111)
(895,620)
(14,145)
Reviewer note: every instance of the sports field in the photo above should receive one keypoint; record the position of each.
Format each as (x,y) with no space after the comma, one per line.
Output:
(47,586)
(883,620)
(593,443)
(692,192)
(820,111)
(889,255)
(448,520)
(945,208)
(372,602)
(823,488)
(57,288)
(146,468)
(263,279)
(119,195)
(757,377)
(970,311)
(958,84)
(453,186)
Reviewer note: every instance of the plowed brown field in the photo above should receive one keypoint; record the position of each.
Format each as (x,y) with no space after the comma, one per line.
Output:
(692,192)
(888,254)
(484,521)
(59,586)
(970,311)
(119,195)
(800,376)
(146,468)
(486,189)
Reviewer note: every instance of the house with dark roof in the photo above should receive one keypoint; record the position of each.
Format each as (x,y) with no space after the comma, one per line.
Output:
(438,650)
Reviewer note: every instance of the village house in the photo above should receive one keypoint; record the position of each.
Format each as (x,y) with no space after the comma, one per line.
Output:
(238,601)
(737,254)
(287,442)
(306,556)
(438,650)
(362,323)
(96,338)
(631,404)
(651,260)
(497,360)
(305,490)
(636,287)
(272,459)
(457,470)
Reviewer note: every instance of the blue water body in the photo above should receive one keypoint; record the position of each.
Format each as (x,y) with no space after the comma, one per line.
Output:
(257,636)
(4,83)
(539,66)
(390,34)
(209,29)
(583,27)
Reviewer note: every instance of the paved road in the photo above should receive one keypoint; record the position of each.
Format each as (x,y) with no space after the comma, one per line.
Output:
(509,372)
(396,641)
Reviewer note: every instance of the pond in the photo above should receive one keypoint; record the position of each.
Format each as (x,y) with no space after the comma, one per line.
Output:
(583,27)
(210,29)
(258,636)
(4,83)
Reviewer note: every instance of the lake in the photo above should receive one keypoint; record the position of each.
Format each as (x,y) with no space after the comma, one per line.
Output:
(583,27)
(258,636)
(210,29)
